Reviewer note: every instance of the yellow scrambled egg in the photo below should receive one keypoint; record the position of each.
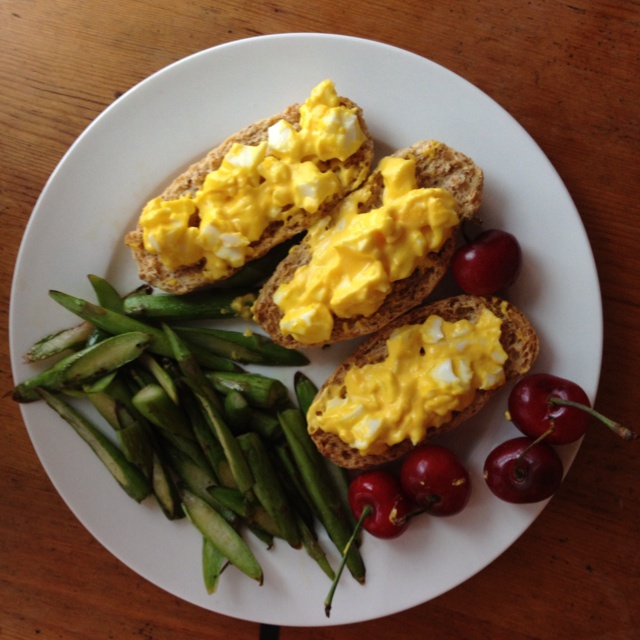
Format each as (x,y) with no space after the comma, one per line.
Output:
(292,171)
(432,370)
(357,256)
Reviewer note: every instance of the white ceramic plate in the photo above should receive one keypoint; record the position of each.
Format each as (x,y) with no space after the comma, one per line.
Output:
(145,138)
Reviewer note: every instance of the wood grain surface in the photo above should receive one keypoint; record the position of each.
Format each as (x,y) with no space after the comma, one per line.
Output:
(568,72)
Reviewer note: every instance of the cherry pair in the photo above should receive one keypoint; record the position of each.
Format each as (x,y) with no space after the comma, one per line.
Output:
(548,410)
(431,480)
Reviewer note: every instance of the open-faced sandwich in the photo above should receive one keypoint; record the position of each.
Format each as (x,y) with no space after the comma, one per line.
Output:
(423,374)
(380,252)
(257,189)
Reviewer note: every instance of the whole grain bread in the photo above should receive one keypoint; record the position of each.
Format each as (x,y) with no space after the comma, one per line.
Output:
(192,277)
(437,165)
(518,339)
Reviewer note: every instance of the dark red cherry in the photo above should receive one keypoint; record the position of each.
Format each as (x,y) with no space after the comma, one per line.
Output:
(433,477)
(380,491)
(522,470)
(488,264)
(541,403)
(532,411)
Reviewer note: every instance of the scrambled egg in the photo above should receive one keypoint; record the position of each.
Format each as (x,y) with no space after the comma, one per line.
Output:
(432,370)
(357,256)
(292,171)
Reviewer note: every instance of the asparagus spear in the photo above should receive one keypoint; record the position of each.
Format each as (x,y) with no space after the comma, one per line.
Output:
(212,410)
(209,444)
(221,535)
(266,425)
(154,403)
(138,444)
(116,323)
(327,504)
(213,564)
(190,368)
(313,547)
(72,338)
(233,453)
(164,488)
(237,411)
(106,294)
(246,348)
(161,375)
(199,481)
(128,476)
(268,489)
(132,434)
(172,423)
(86,365)
(293,482)
(306,391)
(259,391)
(112,322)
(209,305)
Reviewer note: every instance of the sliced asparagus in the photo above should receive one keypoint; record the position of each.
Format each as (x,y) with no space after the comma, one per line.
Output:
(213,564)
(128,476)
(259,391)
(268,488)
(306,391)
(246,348)
(165,490)
(85,366)
(71,338)
(221,535)
(326,502)
(212,410)
(115,323)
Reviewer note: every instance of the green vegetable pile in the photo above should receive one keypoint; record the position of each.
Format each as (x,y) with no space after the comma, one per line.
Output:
(192,429)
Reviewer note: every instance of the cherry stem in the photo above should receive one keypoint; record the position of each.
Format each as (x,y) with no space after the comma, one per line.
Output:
(366,512)
(618,429)
(516,469)
(431,500)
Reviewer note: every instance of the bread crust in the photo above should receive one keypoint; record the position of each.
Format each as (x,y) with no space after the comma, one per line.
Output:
(192,277)
(518,338)
(437,165)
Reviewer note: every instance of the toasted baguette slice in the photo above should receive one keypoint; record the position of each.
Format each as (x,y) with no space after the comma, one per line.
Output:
(518,339)
(437,166)
(189,278)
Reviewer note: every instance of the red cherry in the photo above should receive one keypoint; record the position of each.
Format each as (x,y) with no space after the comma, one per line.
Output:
(532,412)
(522,471)
(380,506)
(434,478)
(488,264)
(381,491)
(541,403)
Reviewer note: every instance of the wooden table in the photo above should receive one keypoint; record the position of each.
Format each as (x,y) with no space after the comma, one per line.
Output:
(568,72)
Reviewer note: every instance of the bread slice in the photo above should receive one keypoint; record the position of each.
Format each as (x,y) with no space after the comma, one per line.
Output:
(518,339)
(437,165)
(192,277)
